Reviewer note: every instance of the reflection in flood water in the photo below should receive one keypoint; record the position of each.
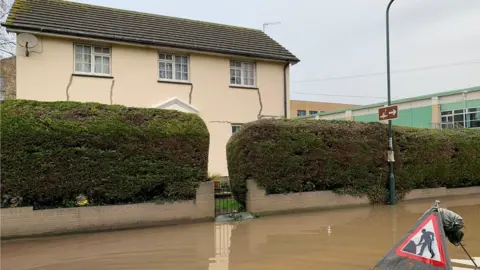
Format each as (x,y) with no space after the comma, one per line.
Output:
(338,239)
(223,235)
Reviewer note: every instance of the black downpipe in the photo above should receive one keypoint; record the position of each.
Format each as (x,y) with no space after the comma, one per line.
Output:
(285,105)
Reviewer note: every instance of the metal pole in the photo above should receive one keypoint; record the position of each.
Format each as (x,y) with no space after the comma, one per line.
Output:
(391,178)
(473,261)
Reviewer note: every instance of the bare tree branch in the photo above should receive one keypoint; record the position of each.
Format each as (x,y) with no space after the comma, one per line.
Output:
(3,16)
(7,52)
(7,40)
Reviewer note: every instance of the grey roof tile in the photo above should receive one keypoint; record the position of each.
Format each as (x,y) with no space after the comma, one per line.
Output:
(69,18)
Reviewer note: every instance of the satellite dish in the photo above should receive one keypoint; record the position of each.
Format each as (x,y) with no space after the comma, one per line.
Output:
(27,41)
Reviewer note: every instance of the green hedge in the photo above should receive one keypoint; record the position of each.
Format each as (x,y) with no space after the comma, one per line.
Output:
(53,151)
(349,158)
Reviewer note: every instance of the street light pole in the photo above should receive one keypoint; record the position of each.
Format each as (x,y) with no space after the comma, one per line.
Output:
(391,177)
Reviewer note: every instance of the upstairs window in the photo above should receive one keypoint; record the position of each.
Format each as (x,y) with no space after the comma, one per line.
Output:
(313,112)
(94,60)
(236,127)
(173,67)
(242,73)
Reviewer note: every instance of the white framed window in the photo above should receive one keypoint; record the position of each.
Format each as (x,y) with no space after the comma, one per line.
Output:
(243,73)
(93,60)
(461,118)
(173,67)
(236,127)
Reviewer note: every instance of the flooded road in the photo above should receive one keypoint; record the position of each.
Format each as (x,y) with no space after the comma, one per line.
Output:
(339,239)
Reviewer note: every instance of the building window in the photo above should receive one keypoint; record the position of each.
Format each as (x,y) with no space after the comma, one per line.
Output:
(173,67)
(93,60)
(473,118)
(236,127)
(242,73)
(461,118)
(313,112)
(301,112)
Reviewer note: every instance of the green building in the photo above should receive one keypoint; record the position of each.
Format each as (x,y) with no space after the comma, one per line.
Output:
(451,109)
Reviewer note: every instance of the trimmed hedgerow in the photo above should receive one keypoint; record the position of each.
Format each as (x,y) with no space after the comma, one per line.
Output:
(346,157)
(53,151)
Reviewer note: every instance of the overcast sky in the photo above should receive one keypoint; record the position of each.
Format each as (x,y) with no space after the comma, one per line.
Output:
(438,39)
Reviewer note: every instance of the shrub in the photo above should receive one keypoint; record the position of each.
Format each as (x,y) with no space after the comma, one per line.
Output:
(53,151)
(349,157)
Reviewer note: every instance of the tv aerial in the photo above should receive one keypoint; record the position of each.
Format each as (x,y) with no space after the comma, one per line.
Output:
(27,41)
(269,23)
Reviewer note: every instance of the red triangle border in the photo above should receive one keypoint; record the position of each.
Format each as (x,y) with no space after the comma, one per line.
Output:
(436,228)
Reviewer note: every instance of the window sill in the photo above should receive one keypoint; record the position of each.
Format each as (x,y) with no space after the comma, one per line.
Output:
(92,76)
(174,82)
(244,87)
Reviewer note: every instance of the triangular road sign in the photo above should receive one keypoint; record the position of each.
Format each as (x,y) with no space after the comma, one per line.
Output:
(423,247)
(424,243)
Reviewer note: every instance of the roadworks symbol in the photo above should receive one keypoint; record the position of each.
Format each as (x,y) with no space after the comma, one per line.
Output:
(424,244)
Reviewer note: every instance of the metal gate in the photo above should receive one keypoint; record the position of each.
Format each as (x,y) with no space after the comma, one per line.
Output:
(225,203)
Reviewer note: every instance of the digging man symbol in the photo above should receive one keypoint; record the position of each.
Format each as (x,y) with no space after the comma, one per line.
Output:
(426,240)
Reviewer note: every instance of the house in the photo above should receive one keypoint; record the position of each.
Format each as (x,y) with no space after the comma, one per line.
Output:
(303,108)
(7,78)
(445,110)
(228,75)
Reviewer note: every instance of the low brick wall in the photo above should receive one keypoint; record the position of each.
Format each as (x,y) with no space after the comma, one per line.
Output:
(259,202)
(440,192)
(24,221)
(425,193)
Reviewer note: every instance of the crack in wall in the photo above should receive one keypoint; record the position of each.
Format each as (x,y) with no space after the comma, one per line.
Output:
(68,87)
(223,122)
(190,95)
(261,104)
(111,91)
(272,116)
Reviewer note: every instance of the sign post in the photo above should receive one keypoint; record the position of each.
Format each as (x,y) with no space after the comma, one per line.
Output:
(391,177)
(389,113)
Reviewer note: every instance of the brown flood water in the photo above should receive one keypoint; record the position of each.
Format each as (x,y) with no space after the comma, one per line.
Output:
(338,239)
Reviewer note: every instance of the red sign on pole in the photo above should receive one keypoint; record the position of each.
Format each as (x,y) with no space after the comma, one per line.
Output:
(388,113)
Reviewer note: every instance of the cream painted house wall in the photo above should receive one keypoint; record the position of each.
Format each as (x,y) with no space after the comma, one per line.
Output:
(47,75)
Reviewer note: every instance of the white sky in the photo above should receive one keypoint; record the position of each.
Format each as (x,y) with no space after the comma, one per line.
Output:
(342,38)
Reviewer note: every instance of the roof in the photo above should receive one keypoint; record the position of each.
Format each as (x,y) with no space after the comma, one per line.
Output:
(175,103)
(83,20)
(398,101)
(321,102)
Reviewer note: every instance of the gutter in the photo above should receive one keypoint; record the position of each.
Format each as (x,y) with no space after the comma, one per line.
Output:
(285,89)
(285,99)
